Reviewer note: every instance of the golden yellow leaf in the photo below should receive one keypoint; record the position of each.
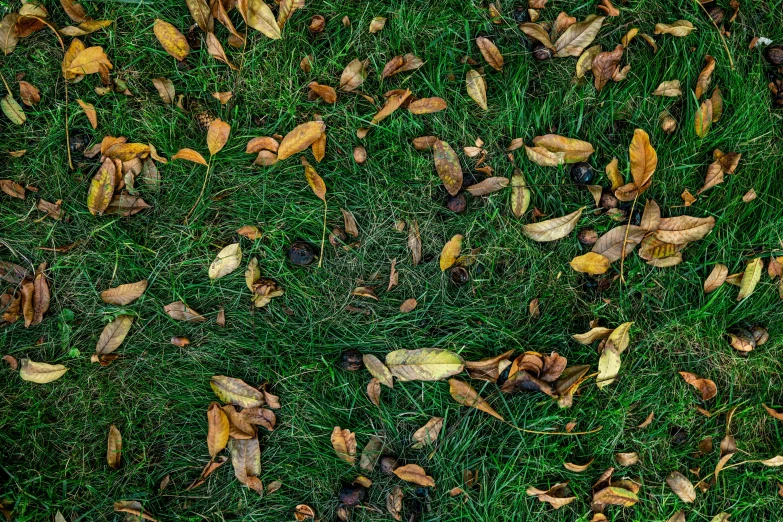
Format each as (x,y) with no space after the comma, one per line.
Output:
(88,60)
(450,252)
(750,278)
(113,334)
(552,229)
(377,24)
(464,394)
(537,33)
(39,372)
(287,8)
(201,13)
(569,149)
(705,76)
(124,294)
(190,155)
(615,496)
(520,194)
(679,28)
(215,49)
(393,103)
(424,364)
(427,105)
(590,263)
(114,447)
(477,88)
(218,429)
(344,444)
(577,468)
(173,41)
(227,260)
(301,137)
(217,135)
(235,391)
(314,180)
(585,61)
(703,120)
(102,188)
(643,158)
(258,16)
(415,474)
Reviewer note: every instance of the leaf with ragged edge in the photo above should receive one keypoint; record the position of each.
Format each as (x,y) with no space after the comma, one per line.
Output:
(520,194)
(394,503)
(114,447)
(301,137)
(490,52)
(590,263)
(173,41)
(424,364)
(344,444)
(125,205)
(287,8)
(537,33)
(615,496)
(353,75)
(450,252)
(101,188)
(487,369)
(235,391)
(40,373)
(218,429)
(554,496)
(476,86)
(716,278)
(578,37)
(246,460)
(684,229)
(314,180)
(681,486)
(552,229)
(428,433)
(415,474)
(573,150)
(703,119)
(679,28)
(585,61)
(643,159)
(201,14)
(370,454)
(124,294)
(750,278)
(706,387)
(464,394)
(669,88)
(378,370)
(113,334)
(227,260)
(447,166)
(181,312)
(610,245)
(605,66)
(12,109)
(258,16)
(190,155)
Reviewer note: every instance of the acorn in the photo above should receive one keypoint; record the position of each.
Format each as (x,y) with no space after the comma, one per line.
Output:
(388,464)
(582,173)
(588,236)
(668,124)
(317,24)
(760,334)
(338,237)
(457,204)
(301,253)
(459,275)
(742,340)
(774,54)
(541,52)
(352,495)
(716,14)
(351,360)
(608,199)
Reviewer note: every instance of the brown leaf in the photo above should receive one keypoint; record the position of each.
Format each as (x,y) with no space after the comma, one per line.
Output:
(235,391)
(607,7)
(126,205)
(703,120)
(133,507)
(520,194)
(261,416)
(647,421)
(349,223)
(414,242)
(538,33)
(314,180)
(643,160)
(577,468)
(605,65)
(211,466)
(370,453)
(344,444)
(190,155)
(14,190)
(29,93)
(392,103)
(113,334)
(216,51)
(716,278)
(218,429)
(448,167)
(554,496)
(173,41)
(773,413)
(705,76)
(399,64)
(287,8)
(749,196)
(488,186)
(477,88)
(490,53)
(377,24)
(717,104)
(353,75)
(222,97)
(114,447)
(610,245)
(394,503)
(464,394)
(14,364)
(52,209)
(427,105)
(300,138)
(181,312)
(706,387)
(378,370)
(627,459)
(246,460)
(303,512)
(374,391)
(681,486)
(578,37)
(487,369)
(679,28)
(217,135)
(684,229)
(415,474)
(428,433)
(571,150)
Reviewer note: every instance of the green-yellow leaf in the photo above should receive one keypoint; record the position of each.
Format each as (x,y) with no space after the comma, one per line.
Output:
(750,278)
(227,260)
(424,364)
(12,109)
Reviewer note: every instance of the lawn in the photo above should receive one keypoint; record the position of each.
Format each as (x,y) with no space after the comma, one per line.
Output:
(53,436)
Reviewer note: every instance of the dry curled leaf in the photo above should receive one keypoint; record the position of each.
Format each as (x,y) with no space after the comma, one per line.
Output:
(679,28)
(705,76)
(344,444)
(605,66)
(669,88)
(552,229)
(114,447)
(415,474)
(374,391)
(577,468)
(706,387)
(557,496)
(464,394)
(394,503)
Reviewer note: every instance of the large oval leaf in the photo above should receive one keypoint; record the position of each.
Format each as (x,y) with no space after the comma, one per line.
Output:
(236,391)
(39,372)
(113,334)
(552,229)
(425,364)
(448,167)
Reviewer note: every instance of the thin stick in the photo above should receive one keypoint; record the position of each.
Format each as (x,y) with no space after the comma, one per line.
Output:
(725,46)
(67,132)
(201,194)
(323,238)
(625,239)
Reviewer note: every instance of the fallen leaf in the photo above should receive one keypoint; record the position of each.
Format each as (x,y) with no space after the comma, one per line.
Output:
(705,76)
(577,468)
(477,88)
(190,155)
(679,28)
(300,138)
(53,210)
(554,496)
(287,8)
(374,391)
(585,61)
(344,444)
(40,373)
(12,109)
(424,364)
(217,135)
(14,190)
(552,229)
(427,105)
(578,37)
(773,413)
(611,244)
(303,512)
(113,334)
(450,253)
(378,370)
(605,66)
(246,460)
(102,188)
(703,120)
(590,263)
(607,7)
(370,454)
(314,180)
(29,93)
(537,33)
(353,75)
(448,167)
(235,391)
(681,486)
(257,15)
(218,429)
(394,503)
(428,433)
(414,242)
(643,160)
(487,369)
(571,150)
(490,53)
(227,260)
(706,387)
(14,364)
(408,305)
(750,278)
(520,194)
(670,88)
(393,102)
(627,459)
(114,447)
(683,229)
(415,474)
(749,196)
(211,466)
(647,421)
(464,394)
(608,366)
(377,24)
(324,92)
(399,64)
(173,41)
(615,496)
(716,278)
(133,507)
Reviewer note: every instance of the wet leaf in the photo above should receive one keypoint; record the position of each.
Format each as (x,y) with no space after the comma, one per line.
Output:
(173,41)
(424,364)
(428,433)
(590,263)
(477,88)
(679,28)
(344,444)
(39,372)
(353,75)
(552,229)
(681,486)
(114,447)
(113,334)
(578,37)
(464,394)
(750,278)
(706,387)
(716,278)
(190,155)
(415,474)
(450,252)
(378,370)
(257,15)
(300,138)
(490,53)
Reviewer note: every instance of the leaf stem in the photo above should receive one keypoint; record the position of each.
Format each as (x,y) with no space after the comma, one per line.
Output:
(625,239)
(201,194)
(723,40)
(323,238)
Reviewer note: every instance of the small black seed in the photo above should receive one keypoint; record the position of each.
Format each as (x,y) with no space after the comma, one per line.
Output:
(351,360)
(352,495)
(459,275)
(301,253)
(582,173)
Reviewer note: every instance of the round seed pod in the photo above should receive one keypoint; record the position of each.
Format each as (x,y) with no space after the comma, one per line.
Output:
(301,253)
(608,199)
(338,237)
(359,154)
(458,275)
(352,495)
(388,463)
(588,236)
(457,204)
(79,142)
(351,360)
(774,54)
(582,173)
(541,52)
(760,334)
(668,124)
(742,340)
(317,24)
(520,14)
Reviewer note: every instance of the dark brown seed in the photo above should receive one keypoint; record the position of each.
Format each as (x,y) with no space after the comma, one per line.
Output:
(760,334)
(608,200)
(542,52)
(459,275)
(774,54)
(301,253)
(351,360)
(582,173)
(351,495)
(457,204)
(388,464)
(338,237)
(588,236)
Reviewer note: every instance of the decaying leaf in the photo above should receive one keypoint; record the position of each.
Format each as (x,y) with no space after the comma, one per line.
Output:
(235,391)
(394,503)
(246,460)
(716,278)
(414,242)
(227,260)
(705,76)
(578,37)
(370,454)
(344,444)
(173,41)
(615,496)
(181,312)
(448,167)
(428,433)
(114,447)
(681,486)
(102,188)
(464,394)
(487,369)
(706,387)
(415,474)
(40,373)
(477,88)
(703,119)
(605,66)
(552,229)
(490,53)
(374,391)
(399,64)
(679,28)
(750,278)
(520,194)
(377,24)
(133,507)
(424,364)
(113,334)
(378,370)
(557,496)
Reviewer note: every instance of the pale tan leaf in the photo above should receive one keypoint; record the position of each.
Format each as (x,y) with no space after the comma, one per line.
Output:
(679,28)
(716,278)
(703,119)
(572,150)
(29,93)
(415,474)
(705,76)
(114,447)
(537,33)
(554,496)
(408,305)
(670,88)
(681,486)
(258,16)
(165,89)
(552,229)
(428,433)
(684,229)
(370,454)
(596,333)
(464,394)
(427,105)
(414,242)
(490,52)
(487,369)
(608,367)
(181,312)
(202,15)
(520,194)
(577,468)
(578,36)
(377,24)
(353,75)
(344,444)
(615,496)
(113,334)
(15,190)
(287,8)
(227,260)
(610,245)
(627,459)
(39,372)
(651,217)
(424,364)
(477,88)
(216,51)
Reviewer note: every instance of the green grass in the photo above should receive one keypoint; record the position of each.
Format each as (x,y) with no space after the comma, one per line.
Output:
(53,436)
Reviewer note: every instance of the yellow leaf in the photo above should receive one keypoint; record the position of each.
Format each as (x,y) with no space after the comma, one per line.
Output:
(101,188)
(89,111)
(447,166)
(552,229)
(377,24)
(39,372)
(218,429)
(643,158)
(590,263)
(424,364)
(464,394)
(173,41)
(620,337)
(301,137)
(477,88)
(716,278)
(314,180)
(569,149)
(190,155)
(12,109)
(88,60)
(227,260)
(615,496)
(235,391)
(608,366)
(450,252)
(750,278)
(258,16)
(415,474)
(703,120)
(114,447)
(520,194)
(679,28)
(113,334)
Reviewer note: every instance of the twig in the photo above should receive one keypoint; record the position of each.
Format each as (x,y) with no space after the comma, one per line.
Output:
(625,239)
(67,132)
(323,238)
(725,46)
(201,194)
